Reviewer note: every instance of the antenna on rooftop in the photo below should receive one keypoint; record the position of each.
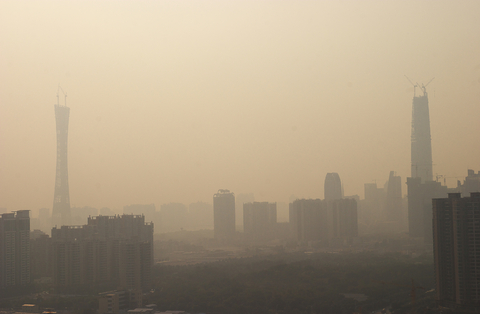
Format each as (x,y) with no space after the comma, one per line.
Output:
(58,92)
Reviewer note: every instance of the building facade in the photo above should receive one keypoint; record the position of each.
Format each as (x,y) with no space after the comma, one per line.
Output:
(456,238)
(108,252)
(224,216)
(14,249)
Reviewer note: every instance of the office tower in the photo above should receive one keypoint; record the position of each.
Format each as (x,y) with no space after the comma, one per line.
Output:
(108,252)
(456,232)
(259,221)
(333,187)
(61,201)
(394,202)
(421,153)
(14,249)
(224,216)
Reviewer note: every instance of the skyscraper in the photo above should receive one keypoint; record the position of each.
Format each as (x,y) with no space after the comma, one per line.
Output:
(456,238)
(421,188)
(333,187)
(224,216)
(61,201)
(421,158)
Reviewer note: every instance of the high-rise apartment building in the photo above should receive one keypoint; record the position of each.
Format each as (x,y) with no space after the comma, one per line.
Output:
(259,220)
(456,238)
(108,252)
(224,216)
(61,201)
(333,187)
(14,249)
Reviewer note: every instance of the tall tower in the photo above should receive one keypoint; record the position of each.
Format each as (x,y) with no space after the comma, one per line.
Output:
(61,201)
(421,139)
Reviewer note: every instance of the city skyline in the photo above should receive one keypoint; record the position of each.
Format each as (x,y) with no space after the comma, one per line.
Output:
(258,108)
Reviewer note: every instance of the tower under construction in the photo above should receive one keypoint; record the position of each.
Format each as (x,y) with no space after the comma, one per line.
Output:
(61,201)
(421,139)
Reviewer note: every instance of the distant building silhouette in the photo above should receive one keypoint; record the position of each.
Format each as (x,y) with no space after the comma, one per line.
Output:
(14,249)
(200,216)
(456,230)
(224,216)
(241,199)
(259,221)
(333,187)
(420,197)
(324,221)
(61,201)
(147,210)
(173,217)
(470,184)
(373,203)
(394,202)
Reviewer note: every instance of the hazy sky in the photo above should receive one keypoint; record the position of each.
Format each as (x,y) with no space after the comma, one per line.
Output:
(172,100)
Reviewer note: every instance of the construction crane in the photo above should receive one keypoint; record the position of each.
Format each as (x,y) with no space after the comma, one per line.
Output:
(414,86)
(413,291)
(441,176)
(423,87)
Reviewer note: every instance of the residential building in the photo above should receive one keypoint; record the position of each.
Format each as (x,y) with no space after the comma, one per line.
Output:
(14,249)
(456,243)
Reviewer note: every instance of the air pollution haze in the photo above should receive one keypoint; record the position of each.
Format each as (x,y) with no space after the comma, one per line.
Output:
(172,100)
